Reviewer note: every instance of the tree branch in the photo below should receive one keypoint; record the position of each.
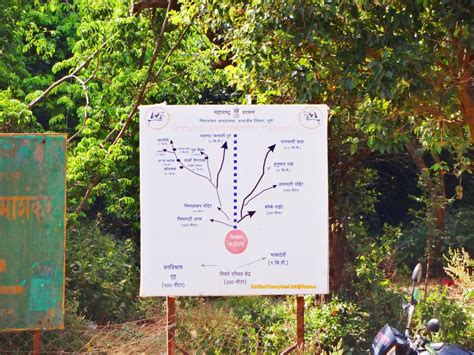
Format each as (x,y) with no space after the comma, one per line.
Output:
(141,95)
(149,75)
(67,77)
(87,194)
(84,87)
(416,156)
(141,5)
(178,42)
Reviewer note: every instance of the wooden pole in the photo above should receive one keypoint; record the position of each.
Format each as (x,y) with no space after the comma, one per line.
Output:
(37,342)
(299,345)
(171,325)
(300,322)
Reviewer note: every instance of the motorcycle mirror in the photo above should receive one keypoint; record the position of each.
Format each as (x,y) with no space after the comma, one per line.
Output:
(433,325)
(416,275)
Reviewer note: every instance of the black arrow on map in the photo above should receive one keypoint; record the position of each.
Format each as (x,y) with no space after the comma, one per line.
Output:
(261,192)
(224,148)
(216,221)
(249,214)
(208,265)
(225,214)
(270,149)
(182,166)
(206,157)
(253,262)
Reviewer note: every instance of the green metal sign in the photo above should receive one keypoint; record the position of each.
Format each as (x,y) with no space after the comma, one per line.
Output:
(32,231)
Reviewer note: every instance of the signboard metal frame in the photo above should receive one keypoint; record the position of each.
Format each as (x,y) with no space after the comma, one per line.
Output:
(175,191)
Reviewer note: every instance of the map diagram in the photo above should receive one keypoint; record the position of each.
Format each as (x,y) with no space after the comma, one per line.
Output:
(233,199)
(223,214)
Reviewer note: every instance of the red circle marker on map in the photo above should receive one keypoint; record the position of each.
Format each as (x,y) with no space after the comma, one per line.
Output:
(236,241)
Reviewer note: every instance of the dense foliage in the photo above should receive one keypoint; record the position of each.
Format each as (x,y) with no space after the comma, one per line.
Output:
(397,75)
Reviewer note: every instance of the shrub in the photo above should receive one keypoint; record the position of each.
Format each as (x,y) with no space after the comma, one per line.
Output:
(327,324)
(459,233)
(459,268)
(456,318)
(372,290)
(238,324)
(102,277)
(268,325)
(272,318)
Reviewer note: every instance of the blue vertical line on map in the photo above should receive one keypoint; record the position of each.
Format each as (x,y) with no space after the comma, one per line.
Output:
(235,181)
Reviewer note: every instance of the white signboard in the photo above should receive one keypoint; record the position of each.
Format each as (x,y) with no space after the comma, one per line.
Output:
(234,200)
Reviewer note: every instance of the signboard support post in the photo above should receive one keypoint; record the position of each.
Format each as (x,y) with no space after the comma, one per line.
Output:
(300,322)
(299,345)
(170,325)
(37,342)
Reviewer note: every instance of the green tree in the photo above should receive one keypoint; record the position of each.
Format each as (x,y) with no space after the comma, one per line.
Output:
(396,74)
(390,71)
(83,67)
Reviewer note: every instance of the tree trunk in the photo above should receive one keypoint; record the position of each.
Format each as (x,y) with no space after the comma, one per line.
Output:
(337,250)
(466,86)
(438,210)
(337,237)
(438,191)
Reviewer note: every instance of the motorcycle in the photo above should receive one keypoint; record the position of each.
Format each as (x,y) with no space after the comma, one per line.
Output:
(390,341)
